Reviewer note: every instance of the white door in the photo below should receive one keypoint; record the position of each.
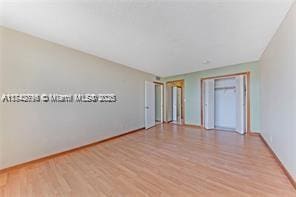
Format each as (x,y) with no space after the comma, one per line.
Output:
(209,99)
(161,104)
(175,103)
(149,104)
(240,101)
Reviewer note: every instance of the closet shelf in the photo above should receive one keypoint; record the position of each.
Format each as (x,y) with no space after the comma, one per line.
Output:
(224,88)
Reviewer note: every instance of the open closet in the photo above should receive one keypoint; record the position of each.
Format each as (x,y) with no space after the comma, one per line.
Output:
(224,103)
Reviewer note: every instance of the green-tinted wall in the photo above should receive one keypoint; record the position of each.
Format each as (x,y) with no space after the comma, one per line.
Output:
(192,91)
(158,102)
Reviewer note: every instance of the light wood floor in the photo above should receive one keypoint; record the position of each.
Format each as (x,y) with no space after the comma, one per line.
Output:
(167,160)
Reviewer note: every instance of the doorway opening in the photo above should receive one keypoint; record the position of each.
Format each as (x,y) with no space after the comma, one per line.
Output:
(159,111)
(175,102)
(225,103)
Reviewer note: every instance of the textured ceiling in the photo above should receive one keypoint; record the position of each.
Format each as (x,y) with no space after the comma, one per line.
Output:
(163,37)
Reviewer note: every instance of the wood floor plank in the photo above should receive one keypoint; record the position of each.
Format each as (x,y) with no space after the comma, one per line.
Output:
(3,179)
(167,160)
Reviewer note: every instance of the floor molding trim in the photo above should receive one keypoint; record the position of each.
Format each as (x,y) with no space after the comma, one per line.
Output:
(253,133)
(291,179)
(21,165)
(192,125)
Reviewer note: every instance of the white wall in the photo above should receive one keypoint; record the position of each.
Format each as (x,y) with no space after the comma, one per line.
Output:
(1,124)
(278,92)
(32,65)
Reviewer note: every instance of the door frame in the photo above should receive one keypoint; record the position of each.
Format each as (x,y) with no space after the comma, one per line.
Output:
(162,107)
(182,86)
(248,111)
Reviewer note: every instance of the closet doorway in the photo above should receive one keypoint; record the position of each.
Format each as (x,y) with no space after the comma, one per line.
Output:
(225,103)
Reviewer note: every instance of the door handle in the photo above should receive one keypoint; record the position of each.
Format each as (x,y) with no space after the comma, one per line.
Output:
(146,107)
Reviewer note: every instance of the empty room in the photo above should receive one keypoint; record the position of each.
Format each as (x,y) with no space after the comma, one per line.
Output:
(147,98)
